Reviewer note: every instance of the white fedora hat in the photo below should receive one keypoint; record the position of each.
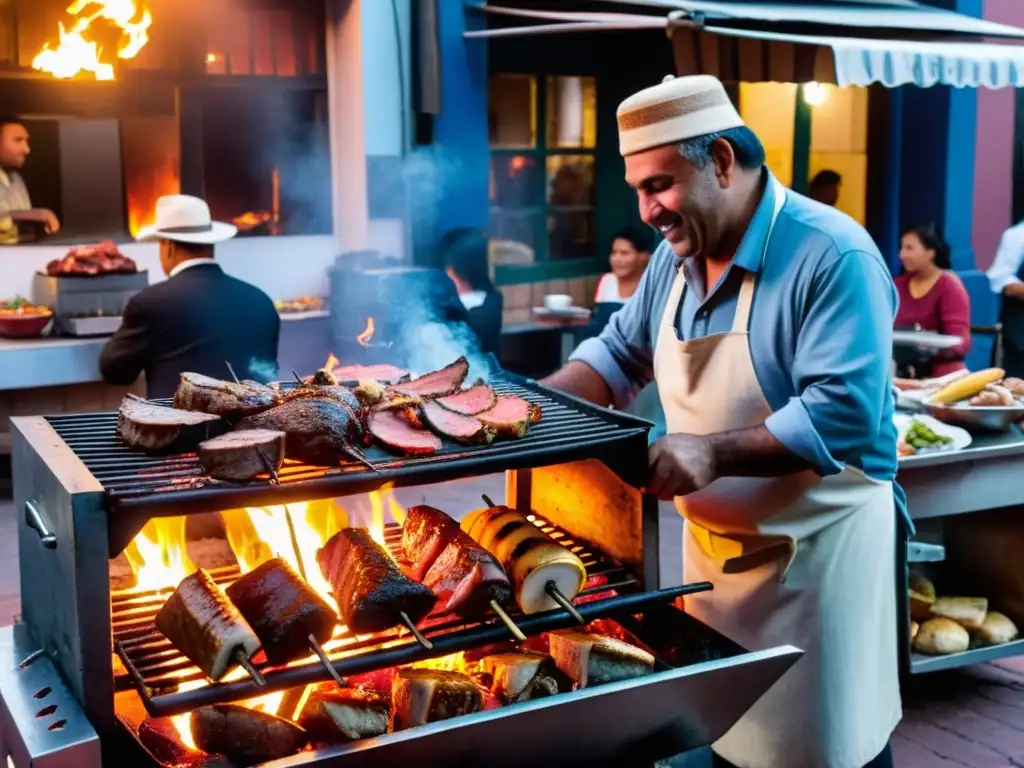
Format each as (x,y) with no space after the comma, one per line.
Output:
(186,219)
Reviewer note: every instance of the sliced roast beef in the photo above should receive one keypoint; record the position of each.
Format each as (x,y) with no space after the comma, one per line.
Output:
(461,429)
(439,383)
(391,430)
(319,432)
(469,402)
(145,426)
(223,398)
(511,416)
(387,374)
(242,455)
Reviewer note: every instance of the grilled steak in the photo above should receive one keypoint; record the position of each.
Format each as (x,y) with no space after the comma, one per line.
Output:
(393,431)
(145,426)
(333,393)
(243,454)
(203,624)
(469,402)
(223,398)
(388,374)
(245,736)
(336,716)
(318,432)
(462,429)
(511,416)
(368,586)
(464,576)
(282,610)
(590,659)
(523,676)
(421,696)
(439,383)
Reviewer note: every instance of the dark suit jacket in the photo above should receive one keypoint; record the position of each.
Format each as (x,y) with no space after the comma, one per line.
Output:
(485,321)
(194,321)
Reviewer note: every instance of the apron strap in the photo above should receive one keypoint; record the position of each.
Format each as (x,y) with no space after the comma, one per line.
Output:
(741,319)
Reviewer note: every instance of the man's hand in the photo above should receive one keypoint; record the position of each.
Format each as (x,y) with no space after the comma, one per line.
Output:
(50,221)
(681,464)
(1014,290)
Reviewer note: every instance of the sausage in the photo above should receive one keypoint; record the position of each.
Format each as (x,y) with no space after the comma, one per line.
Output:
(203,624)
(530,557)
(282,610)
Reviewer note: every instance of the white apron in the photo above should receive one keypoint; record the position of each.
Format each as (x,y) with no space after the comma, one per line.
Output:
(799,559)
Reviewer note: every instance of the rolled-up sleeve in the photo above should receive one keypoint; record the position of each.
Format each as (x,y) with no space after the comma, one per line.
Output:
(842,363)
(623,354)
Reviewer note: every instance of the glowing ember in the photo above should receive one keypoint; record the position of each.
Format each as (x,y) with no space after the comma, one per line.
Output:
(367,334)
(77,53)
(455,662)
(158,554)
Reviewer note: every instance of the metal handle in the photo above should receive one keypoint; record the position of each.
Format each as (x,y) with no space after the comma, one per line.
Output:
(34,520)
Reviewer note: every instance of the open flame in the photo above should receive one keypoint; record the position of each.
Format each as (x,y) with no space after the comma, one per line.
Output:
(250,220)
(78,52)
(366,336)
(380,501)
(158,555)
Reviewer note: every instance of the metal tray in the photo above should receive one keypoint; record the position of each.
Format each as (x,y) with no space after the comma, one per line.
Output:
(996,419)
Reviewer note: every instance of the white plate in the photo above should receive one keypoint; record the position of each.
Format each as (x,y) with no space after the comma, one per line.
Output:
(924,339)
(571,312)
(961,437)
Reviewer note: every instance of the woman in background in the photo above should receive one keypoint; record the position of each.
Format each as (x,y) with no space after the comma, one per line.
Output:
(464,255)
(631,249)
(932,298)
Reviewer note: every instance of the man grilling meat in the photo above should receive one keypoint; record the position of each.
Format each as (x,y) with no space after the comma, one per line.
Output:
(766,320)
(197,320)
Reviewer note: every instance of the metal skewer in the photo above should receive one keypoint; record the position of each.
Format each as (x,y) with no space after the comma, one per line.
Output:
(269,467)
(298,378)
(359,456)
(415,632)
(556,594)
(517,633)
(231,370)
(319,651)
(487,500)
(246,664)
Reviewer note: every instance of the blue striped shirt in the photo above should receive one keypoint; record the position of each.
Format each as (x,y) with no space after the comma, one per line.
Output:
(820,332)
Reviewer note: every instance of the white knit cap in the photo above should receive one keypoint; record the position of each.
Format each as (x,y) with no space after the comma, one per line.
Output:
(678,108)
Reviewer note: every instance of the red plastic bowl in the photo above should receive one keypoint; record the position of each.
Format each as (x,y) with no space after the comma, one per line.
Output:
(24,326)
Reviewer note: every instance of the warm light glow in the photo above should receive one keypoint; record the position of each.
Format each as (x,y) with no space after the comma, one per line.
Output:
(211,58)
(183,723)
(815,94)
(269,704)
(275,204)
(367,334)
(158,554)
(455,662)
(76,53)
(379,500)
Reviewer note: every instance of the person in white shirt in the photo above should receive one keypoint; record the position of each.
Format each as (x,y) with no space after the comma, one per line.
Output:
(15,203)
(1006,277)
(631,250)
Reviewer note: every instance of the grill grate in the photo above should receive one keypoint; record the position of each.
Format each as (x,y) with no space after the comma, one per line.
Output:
(569,430)
(159,671)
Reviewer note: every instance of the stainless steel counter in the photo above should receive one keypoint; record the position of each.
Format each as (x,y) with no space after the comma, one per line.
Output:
(987,475)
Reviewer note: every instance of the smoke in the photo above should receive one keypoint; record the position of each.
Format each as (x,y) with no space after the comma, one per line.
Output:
(261,370)
(434,345)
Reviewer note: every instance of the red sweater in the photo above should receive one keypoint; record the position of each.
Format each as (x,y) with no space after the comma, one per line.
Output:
(946,308)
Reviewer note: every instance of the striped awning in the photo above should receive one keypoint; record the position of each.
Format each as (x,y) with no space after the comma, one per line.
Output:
(894,43)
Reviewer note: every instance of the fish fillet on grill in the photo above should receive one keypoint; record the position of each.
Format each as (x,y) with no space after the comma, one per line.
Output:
(591,659)
(146,426)
(223,398)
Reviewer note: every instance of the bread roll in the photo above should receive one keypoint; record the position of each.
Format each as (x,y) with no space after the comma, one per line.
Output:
(941,636)
(914,627)
(996,629)
(923,586)
(968,612)
(920,606)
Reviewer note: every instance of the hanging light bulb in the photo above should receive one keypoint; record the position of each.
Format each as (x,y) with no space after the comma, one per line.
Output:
(815,94)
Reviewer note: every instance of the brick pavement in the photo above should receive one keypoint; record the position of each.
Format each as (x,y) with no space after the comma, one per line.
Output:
(971,718)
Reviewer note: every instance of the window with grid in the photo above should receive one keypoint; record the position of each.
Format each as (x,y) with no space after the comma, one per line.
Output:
(543,136)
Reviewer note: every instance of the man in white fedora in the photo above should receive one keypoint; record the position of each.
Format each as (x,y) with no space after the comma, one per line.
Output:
(766,320)
(199,319)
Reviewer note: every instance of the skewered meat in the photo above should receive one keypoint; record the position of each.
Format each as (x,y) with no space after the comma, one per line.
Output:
(462,429)
(469,402)
(282,610)
(332,715)
(523,676)
(203,624)
(391,430)
(368,586)
(334,393)
(530,557)
(437,384)
(388,374)
(421,696)
(317,432)
(245,736)
(590,659)
(223,398)
(92,260)
(145,426)
(464,576)
(511,416)
(242,455)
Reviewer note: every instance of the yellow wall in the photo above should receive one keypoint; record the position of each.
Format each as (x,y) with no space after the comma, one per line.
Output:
(839,127)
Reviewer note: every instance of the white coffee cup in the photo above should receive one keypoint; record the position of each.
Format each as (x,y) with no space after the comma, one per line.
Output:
(558,301)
